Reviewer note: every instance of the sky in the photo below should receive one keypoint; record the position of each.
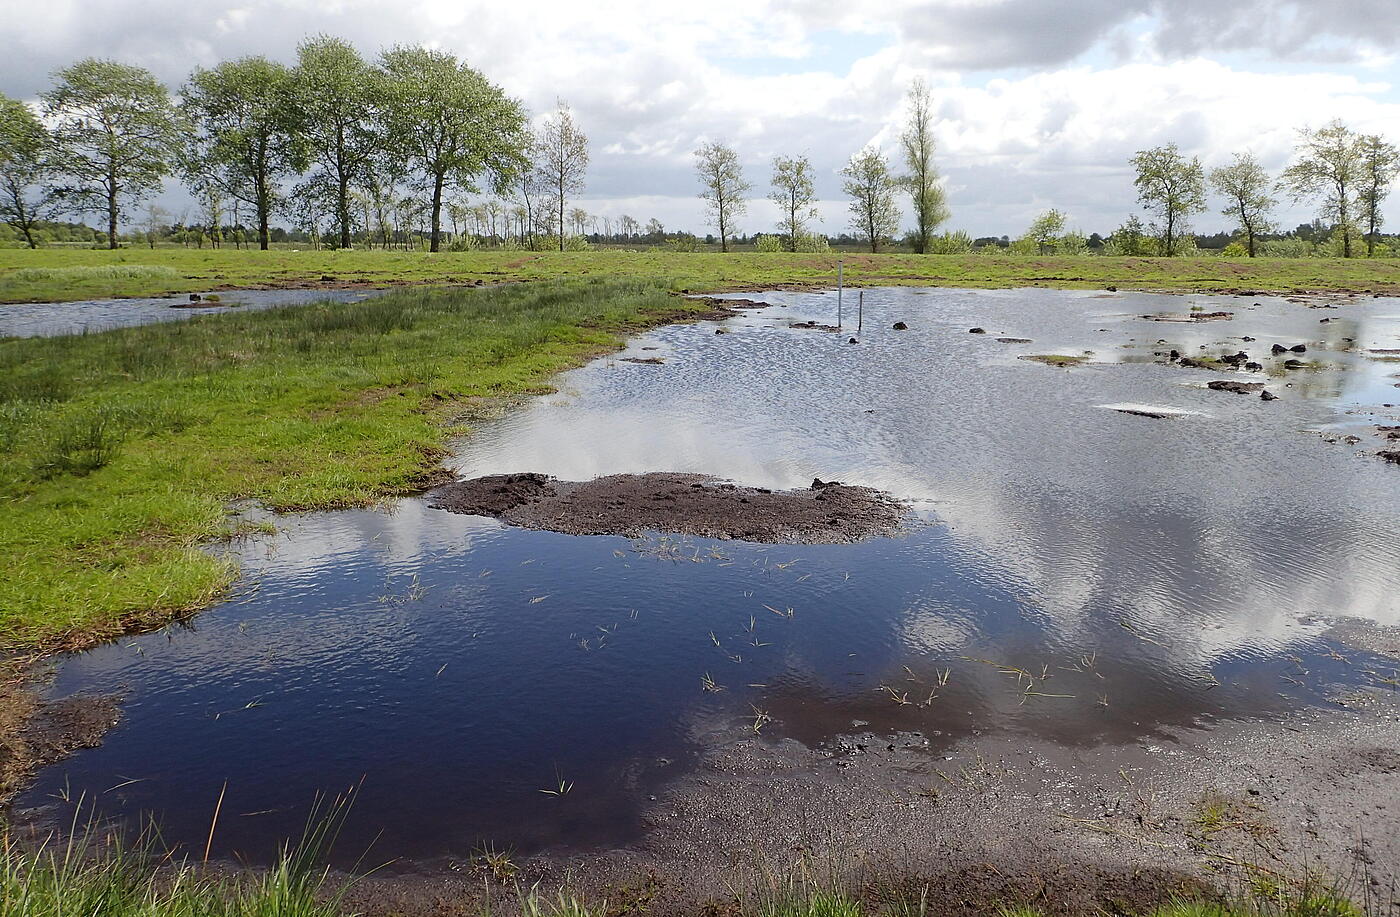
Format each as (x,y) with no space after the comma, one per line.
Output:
(1038,103)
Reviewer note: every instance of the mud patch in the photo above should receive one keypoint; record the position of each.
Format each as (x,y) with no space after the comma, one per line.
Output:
(36,733)
(828,512)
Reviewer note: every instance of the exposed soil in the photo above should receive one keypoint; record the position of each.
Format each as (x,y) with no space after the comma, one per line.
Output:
(1230,385)
(1111,828)
(35,733)
(687,504)
(1190,317)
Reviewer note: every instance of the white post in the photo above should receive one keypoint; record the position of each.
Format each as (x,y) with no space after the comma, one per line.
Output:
(839,280)
(860,313)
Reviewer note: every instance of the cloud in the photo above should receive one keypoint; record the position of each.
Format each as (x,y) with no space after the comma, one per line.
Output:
(1038,104)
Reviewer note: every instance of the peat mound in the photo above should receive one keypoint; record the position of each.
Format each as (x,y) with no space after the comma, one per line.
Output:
(828,512)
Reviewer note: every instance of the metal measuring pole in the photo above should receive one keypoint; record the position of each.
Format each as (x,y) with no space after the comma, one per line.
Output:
(839,279)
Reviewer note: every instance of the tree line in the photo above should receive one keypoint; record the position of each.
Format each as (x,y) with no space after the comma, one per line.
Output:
(349,146)
(336,140)
(868,179)
(1347,175)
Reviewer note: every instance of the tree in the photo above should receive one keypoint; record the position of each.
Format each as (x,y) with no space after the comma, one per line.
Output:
(1172,187)
(1045,231)
(339,97)
(1130,239)
(1245,184)
(1380,164)
(871,187)
(247,135)
(795,195)
(115,134)
(26,169)
(930,207)
(722,187)
(450,125)
(563,159)
(1328,166)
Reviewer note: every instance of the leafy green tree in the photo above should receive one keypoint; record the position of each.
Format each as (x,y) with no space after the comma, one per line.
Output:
(563,160)
(930,208)
(449,125)
(1171,187)
(1245,184)
(26,169)
(1329,167)
(339,97)
(116,136)
(247,136)
(1045,231)
(1380,164)
(871,187)
(1131,239)
(722,187)
(794,192)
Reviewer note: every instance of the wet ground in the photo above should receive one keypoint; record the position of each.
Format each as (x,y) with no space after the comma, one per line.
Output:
(1108,557)
(50,319)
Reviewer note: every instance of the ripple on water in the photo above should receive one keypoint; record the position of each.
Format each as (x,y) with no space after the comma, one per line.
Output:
(1085,576)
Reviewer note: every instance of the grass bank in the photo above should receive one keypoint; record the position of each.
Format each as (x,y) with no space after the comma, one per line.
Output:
(64,274)
(120,451)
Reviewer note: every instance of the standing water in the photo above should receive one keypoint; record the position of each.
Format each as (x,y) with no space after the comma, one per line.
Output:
(484,684)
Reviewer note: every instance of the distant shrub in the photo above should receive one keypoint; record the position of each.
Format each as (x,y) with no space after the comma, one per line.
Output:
(950,243)
(1234,250)
(1285,248)
(813,243)
(769,243)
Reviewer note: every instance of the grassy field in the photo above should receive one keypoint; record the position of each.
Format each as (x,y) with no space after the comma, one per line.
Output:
(119,452)
(52,275)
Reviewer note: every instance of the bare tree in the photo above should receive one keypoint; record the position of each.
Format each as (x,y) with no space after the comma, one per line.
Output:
(794,192)
(1328,166)
(723,187)
(871,187)
(1245,184)
(563,161)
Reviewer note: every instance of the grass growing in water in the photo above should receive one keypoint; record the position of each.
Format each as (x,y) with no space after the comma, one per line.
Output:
(119,451)
(91,874)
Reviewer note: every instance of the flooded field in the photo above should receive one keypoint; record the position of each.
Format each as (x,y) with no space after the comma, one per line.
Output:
(51,319)
(1098,552)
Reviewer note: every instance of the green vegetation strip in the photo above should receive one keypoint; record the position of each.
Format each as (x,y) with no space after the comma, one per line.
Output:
(54,275)
(121,451)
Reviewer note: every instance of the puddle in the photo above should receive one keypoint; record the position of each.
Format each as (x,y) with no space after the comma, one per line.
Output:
(52,319)
(1079,575)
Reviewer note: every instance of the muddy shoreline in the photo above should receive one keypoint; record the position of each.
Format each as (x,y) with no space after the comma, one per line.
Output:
(993,820)
(828,512)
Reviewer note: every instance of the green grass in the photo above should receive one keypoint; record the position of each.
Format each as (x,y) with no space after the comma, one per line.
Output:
(66,274)
(120,451)
(92,874)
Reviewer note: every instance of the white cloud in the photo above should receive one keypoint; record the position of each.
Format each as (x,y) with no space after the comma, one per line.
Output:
(1039,104)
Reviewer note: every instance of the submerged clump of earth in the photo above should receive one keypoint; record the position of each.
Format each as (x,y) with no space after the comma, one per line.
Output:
(1105,551)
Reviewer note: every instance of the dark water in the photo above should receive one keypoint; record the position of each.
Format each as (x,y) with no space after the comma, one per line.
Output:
(1076,574)
(51,319)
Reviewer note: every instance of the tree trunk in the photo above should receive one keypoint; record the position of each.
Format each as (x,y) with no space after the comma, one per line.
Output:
(264,205)
(437,213)
(112,216)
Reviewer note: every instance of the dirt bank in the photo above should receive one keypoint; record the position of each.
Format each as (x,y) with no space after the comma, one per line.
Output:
(35,733)
(684,504)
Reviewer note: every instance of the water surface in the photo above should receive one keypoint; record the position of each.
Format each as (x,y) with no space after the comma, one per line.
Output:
(1074,573)
(53,319)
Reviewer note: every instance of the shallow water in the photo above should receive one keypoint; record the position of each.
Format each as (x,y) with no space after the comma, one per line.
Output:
(1079,574)
(52,319)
